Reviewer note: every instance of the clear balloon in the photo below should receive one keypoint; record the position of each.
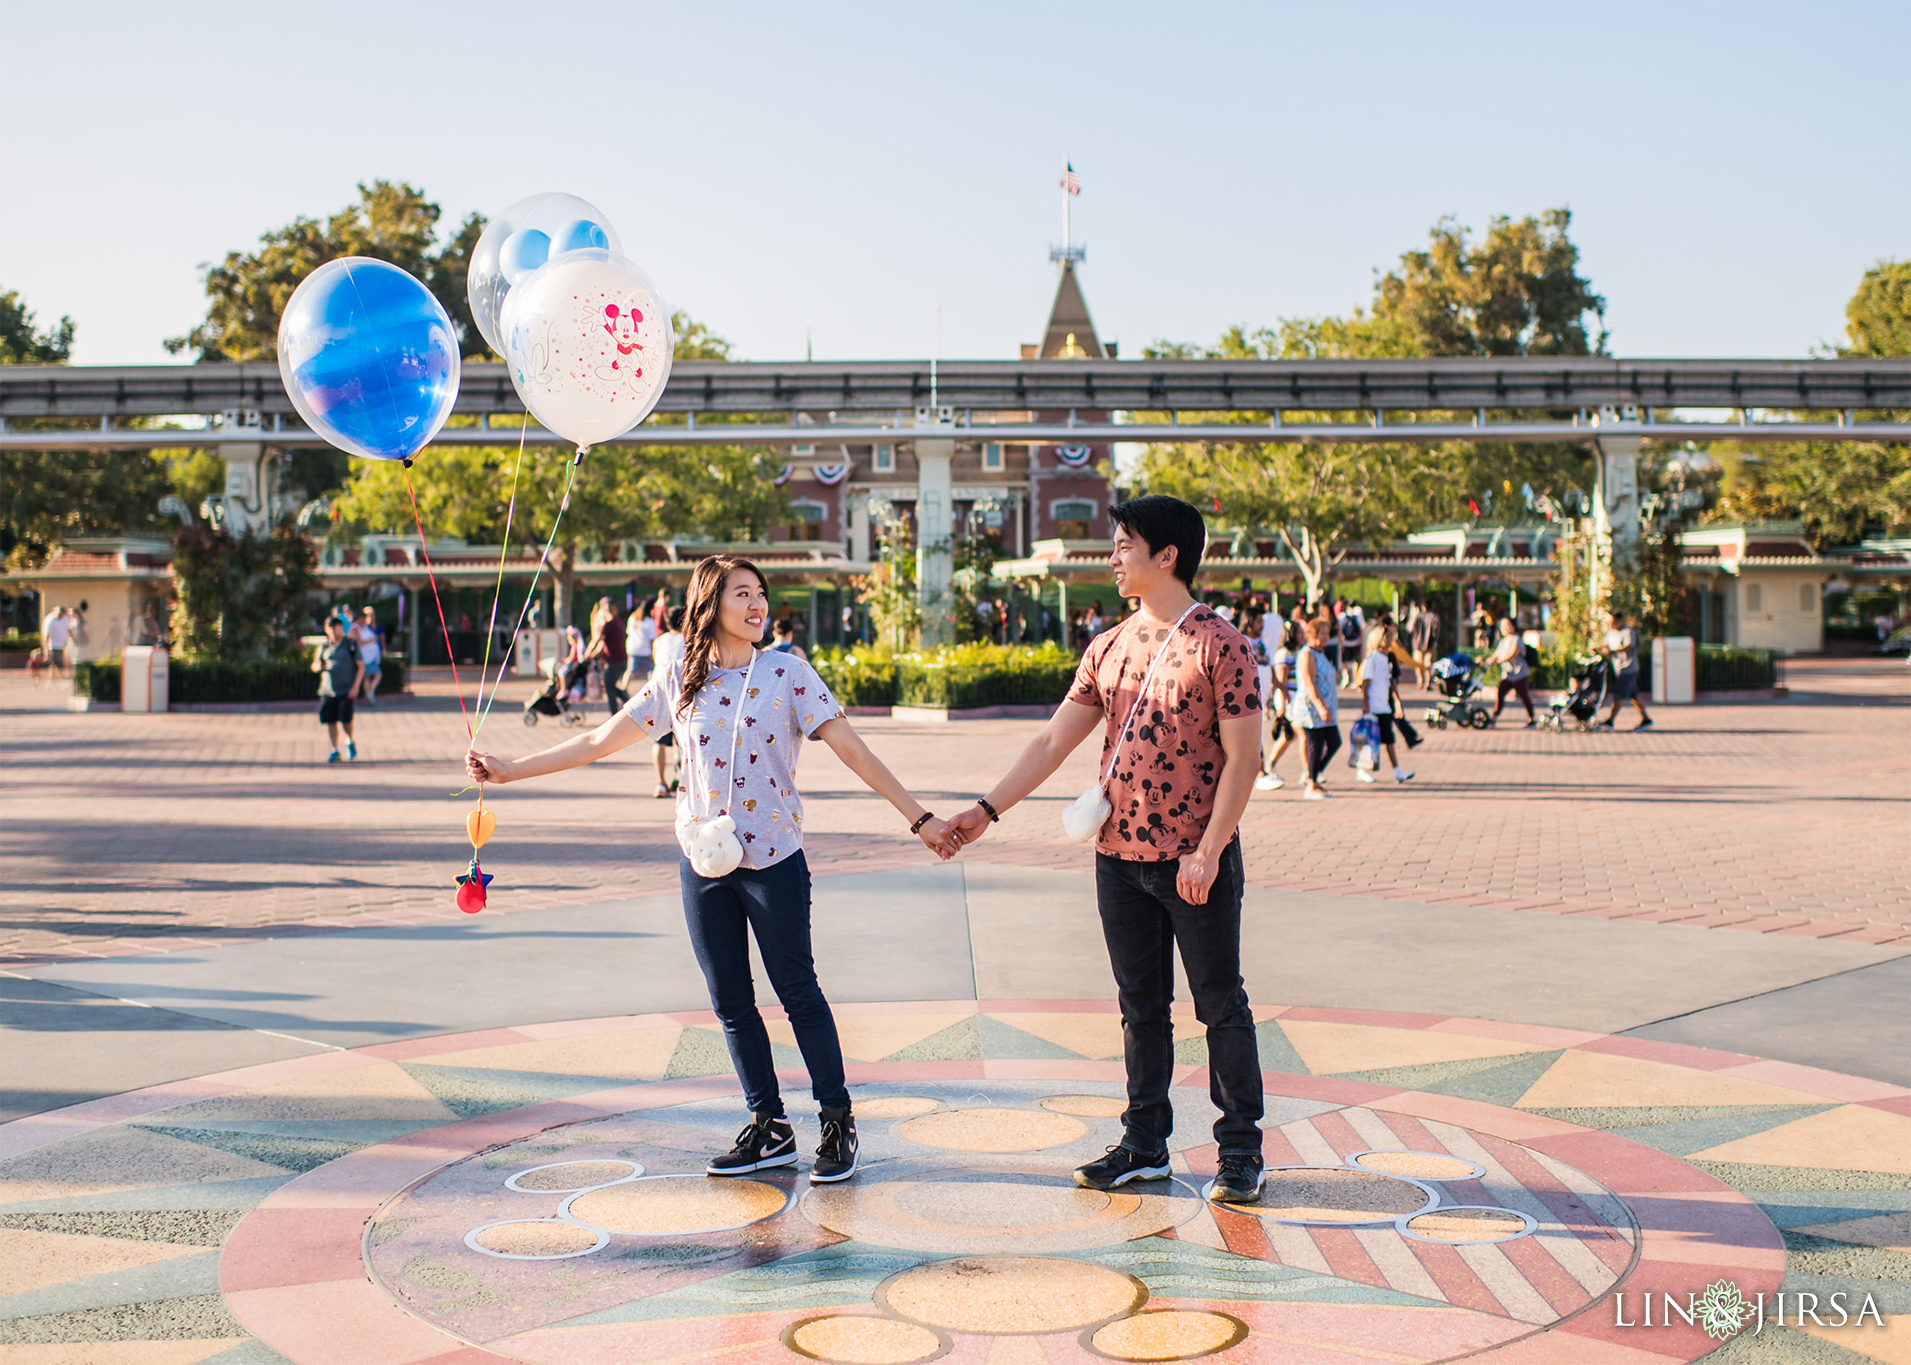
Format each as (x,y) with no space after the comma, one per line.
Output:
(521,239)
(369,358)
(588,341)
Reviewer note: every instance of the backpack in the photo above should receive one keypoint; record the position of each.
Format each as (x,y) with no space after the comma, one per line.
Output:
(1532,655)
(1349,629)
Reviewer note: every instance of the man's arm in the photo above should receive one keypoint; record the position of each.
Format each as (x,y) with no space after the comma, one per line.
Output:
(1241,746)
(1072,723)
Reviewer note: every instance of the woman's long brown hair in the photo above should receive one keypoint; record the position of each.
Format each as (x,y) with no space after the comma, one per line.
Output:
(707,582)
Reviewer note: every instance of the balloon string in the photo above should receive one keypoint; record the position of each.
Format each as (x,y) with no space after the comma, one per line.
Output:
(491,628)
(432,578)
(530,596)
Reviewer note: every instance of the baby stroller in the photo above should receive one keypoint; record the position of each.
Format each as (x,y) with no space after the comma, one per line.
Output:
(554,698)
(1592,680)
(1458,679)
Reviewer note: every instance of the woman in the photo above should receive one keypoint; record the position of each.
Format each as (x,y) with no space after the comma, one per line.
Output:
(371,648)
(721,691)
(1316,709)
(640,635)
(1280,705)
(606,652)
(1510,654)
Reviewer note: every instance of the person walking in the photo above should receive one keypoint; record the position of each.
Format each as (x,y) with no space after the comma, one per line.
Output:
(668,652)
(366,634)
(1622,652)
(1316,707)
(722,690)
(1172,690)
(1424,636)
(1278,704)
(1509,652)
(54,636)
(640,639)
(341,670)
(605,653)
(1376,695)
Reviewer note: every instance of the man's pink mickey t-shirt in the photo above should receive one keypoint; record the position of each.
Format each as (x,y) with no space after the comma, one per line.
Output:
(787,703)
(1162,790)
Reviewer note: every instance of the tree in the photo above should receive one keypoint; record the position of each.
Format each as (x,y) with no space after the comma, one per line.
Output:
(241,597)
(1878,318)
(1838,490)
(1517,291)
(247,292)
(20,344)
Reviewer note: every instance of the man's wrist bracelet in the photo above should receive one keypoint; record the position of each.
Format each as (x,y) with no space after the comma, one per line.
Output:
(922,820)
(989,810)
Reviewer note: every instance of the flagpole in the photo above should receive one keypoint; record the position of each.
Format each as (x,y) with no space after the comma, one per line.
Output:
(1067,240)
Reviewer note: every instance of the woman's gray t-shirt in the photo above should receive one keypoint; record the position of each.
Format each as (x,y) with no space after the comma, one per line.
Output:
(787,704)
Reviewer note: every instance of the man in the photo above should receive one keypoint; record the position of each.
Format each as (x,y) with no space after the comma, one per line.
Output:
(341,670)
(1622,651)
(1179,753)
(54,636)
(783,638)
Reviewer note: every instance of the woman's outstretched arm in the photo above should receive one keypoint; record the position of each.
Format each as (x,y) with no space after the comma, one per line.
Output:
(619,732)
(857,756)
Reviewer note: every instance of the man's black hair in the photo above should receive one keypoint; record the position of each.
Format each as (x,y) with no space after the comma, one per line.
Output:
(1162,521)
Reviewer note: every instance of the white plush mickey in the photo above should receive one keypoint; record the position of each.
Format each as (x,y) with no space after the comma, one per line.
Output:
(711,845)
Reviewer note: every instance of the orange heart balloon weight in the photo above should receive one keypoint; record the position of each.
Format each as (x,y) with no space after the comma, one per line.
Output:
(479,824)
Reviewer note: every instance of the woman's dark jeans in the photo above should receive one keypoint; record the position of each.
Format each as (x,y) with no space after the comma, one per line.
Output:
(1143,920)
(774,904)
(1323,742)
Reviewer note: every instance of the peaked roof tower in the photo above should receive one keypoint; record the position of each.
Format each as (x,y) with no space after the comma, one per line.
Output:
(1068,316)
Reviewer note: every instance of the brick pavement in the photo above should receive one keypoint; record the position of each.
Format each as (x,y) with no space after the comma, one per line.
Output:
(128,834)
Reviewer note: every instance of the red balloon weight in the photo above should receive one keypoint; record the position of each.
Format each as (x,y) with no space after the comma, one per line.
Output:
(471,896)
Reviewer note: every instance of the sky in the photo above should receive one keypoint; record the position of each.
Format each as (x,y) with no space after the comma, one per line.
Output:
(876,181)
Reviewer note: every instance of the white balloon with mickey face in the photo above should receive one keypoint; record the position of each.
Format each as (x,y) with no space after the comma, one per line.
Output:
(588,340)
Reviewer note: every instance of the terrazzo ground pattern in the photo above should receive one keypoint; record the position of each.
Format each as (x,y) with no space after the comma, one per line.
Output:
(1442,1188)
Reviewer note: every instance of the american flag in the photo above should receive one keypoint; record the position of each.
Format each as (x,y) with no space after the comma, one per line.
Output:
(1070,181)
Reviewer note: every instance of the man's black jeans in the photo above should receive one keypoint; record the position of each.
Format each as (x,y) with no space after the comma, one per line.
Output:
(1143,919)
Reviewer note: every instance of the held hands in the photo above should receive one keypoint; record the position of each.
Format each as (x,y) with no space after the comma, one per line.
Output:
(969,826)
(482,767)
(935,833)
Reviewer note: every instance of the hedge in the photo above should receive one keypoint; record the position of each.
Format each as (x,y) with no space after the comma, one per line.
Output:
(217,681)
(958,677)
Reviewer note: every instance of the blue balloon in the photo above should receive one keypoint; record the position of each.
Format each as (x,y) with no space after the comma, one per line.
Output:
(523,252)
(369,358)
(583,235)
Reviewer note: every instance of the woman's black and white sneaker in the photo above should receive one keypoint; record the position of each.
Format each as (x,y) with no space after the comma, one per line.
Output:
(836,1153)
(1121,1165)
(1239,1180)
(768,1140)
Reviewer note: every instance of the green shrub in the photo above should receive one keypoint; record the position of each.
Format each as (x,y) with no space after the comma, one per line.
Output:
(228,682)
(958,677)
(1729,668)
(20,639)
(97,679)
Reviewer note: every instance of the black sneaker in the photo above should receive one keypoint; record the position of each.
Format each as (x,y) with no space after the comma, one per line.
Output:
(1239,1181)
(1121,1165)
(1642,725)
(836,1153)
(767,1140)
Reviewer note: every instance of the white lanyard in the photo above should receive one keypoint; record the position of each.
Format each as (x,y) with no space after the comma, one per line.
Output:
(1122,734)
(736,731)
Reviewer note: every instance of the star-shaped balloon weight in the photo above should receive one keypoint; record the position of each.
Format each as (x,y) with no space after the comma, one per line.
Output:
(471,887)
